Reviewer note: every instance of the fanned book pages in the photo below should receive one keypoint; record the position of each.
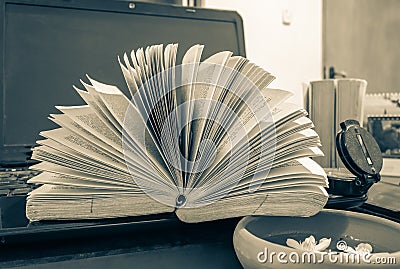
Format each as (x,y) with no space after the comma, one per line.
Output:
(204,139)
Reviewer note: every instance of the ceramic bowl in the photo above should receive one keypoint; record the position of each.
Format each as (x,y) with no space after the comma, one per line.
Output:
(257,238)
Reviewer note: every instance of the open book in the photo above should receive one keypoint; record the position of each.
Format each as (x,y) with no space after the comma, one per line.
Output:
(204,139)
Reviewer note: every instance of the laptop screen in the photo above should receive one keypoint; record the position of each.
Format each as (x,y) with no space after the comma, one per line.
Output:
(49,46)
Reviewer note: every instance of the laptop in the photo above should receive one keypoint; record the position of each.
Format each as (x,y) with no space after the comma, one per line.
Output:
(48,46)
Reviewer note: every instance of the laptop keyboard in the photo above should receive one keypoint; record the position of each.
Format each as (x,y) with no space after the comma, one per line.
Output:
(14,182)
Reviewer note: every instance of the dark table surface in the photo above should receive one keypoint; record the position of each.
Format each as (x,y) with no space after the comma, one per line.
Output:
(385,194)
(164,243)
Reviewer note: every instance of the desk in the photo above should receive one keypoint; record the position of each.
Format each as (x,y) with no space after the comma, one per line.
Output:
(171,245)
(386,193)
(384,199)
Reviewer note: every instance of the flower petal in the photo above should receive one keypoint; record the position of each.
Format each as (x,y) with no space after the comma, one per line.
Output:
(293,243)
(309,244)
(312,239)
(364,248)
(323,239)
(323,244)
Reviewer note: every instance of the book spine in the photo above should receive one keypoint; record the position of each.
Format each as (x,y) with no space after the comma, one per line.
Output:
(350,96)
(322,112)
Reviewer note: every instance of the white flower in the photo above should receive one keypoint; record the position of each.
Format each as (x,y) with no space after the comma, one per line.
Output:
(309,244)
(362,249)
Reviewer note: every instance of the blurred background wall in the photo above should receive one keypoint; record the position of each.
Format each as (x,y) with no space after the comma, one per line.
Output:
(291,51)
(362,38)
